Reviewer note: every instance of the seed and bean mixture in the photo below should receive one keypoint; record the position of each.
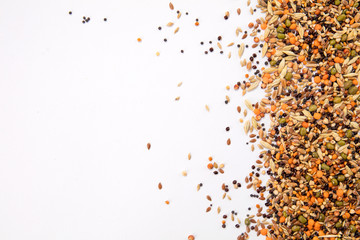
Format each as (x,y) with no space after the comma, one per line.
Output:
(310,152)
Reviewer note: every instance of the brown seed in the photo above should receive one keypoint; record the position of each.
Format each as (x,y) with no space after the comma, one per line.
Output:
(238,11)
(171,6)
(238,109)
(228,142)
(160,186)
(148,146)
(208,198)
(208,209)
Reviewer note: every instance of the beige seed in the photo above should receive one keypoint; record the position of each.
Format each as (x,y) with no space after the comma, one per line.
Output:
(207,108)
(189,156)
(184,173)
(179,84)
(215,165)
(170,24)
(249,105)
(179,15)
(241,50)
(177,98)
(157,54)
(218,210)
(176,30)
(219,45)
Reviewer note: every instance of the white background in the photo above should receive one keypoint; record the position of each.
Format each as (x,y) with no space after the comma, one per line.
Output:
(79,102)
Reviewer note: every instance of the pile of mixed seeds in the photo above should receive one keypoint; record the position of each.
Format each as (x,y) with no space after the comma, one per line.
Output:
(312,96)
(311,150)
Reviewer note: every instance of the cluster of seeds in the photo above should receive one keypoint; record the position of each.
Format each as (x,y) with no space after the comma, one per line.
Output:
(312,97)
(86,19)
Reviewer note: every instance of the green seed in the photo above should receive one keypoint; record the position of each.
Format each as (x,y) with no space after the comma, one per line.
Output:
(302,219)
(280,29)
(332,42)
(295,228)
(352,228)
(288,76)
(348,84)
(303,131)
(318,194)
(344,37)
(334,182)
(341,17)
(330,146)
(349,134)
(356,4)
(272,62)
(338,225)
(308,178)
(353,90)
(344,156)
(315,155)
(341,142)
(321,217)
(353,53)
(247,221)
(333,71)
(325,167)
(339,203)
(281,36)
(341,178)
(285,214)
(338,46)
(287,23)
(282,120)
(337,2)
(312,108)
(337,100)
